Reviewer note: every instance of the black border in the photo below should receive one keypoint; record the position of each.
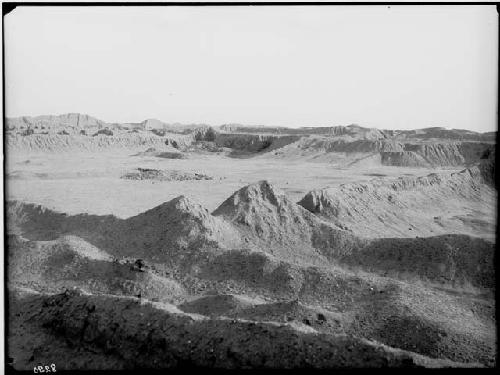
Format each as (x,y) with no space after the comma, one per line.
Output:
(8,7)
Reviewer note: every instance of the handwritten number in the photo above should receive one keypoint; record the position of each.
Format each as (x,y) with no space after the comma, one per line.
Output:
(42,369)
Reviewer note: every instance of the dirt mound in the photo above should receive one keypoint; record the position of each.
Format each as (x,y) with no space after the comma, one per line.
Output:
(164,175)
(179,224)
(429,322)
(176,229)
(181,234)
(361,304)
(254,271)
(266,217)
(407,206)
(69,261)
(458,260)
(32,221)
(111,325)
(258,273)
(261,218)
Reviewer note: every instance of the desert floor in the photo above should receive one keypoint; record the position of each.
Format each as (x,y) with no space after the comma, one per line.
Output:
(90,183)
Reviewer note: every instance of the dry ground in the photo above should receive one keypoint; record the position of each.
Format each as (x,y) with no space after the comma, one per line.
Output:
(221,288)
(89,182)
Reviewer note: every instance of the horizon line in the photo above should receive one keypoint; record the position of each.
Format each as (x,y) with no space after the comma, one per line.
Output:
(244,124)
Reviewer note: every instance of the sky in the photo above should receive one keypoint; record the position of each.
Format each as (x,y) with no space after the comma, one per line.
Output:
(390,67)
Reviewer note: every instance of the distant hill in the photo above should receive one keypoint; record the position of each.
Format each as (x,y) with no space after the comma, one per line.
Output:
(340,145)
(77,121)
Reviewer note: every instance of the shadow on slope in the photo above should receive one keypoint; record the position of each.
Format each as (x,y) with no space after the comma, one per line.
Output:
(409,206)
(164,233)
(265,217)
(69,261)
(262,219)
(172,339)
(457,260)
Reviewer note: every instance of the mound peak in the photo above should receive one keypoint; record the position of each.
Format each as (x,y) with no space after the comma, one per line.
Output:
(264,214)
(260,191)
(257,199)
(176,210)
(180,223)
(180,203)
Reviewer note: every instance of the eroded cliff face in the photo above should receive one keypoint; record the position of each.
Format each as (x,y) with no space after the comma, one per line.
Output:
(77,132)
(389,152)
(487,166)
(359,132)
(52,123)
(253,142)
(430,147)
(435,154)
(98,142)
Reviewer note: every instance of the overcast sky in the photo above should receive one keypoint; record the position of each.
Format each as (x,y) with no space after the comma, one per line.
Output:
(397,67)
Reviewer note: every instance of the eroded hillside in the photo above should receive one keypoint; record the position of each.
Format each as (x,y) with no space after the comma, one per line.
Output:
(343,146)
(261,245)
(260,248)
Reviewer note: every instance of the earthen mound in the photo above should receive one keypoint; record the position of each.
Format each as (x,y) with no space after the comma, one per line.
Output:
(254,271)
(108,324)
(163,175)
(457,260)
(407,206)
(175,226)
(266,217)
(167,232)
(69,261)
